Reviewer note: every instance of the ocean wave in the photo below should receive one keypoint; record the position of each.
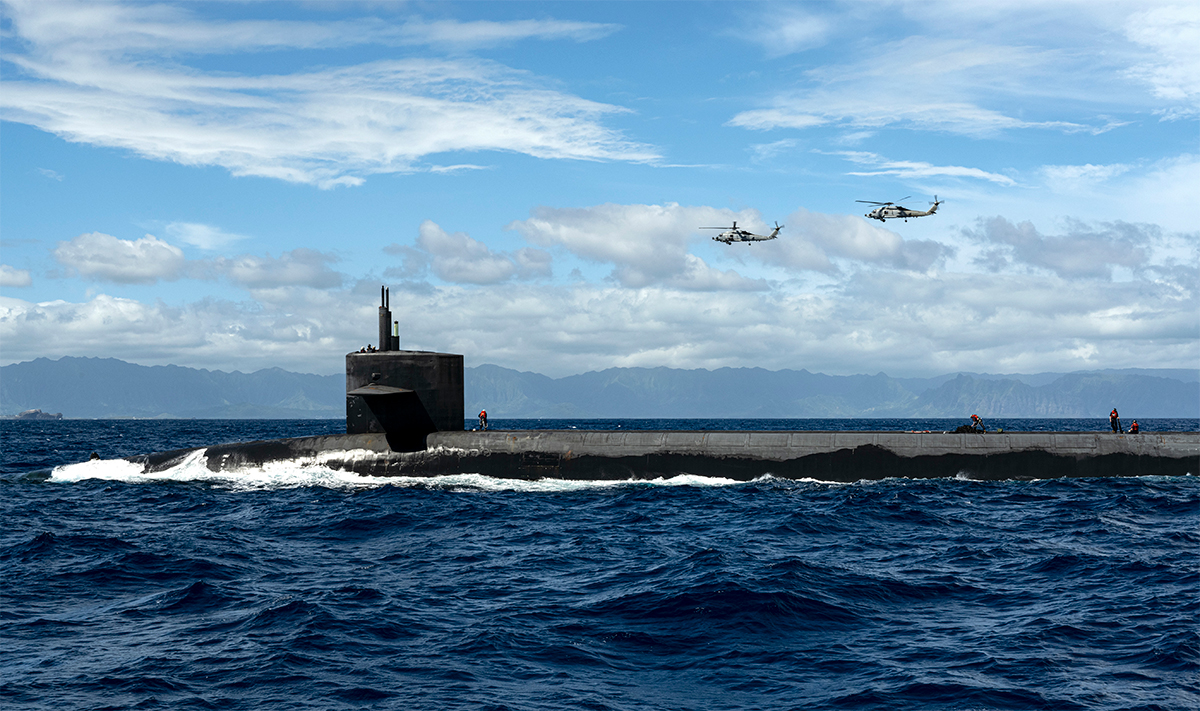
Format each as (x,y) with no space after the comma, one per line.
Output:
(315,471)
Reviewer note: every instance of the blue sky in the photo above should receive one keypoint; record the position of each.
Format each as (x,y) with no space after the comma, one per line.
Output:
(226,185)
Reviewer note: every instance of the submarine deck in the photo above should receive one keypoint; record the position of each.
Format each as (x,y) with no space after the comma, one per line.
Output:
(740,455)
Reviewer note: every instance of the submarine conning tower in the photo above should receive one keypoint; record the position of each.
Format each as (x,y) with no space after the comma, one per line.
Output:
(404,394)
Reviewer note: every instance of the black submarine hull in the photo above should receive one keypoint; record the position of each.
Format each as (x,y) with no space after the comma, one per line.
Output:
(740,456)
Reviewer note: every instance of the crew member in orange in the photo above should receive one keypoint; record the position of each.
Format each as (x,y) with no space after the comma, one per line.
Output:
(483,419)
(1133,429)
(1114,420)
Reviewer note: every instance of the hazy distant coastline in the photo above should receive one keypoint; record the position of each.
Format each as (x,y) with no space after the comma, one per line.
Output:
(110,388)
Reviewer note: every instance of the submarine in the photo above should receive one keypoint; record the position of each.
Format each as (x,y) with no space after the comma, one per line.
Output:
(404,417)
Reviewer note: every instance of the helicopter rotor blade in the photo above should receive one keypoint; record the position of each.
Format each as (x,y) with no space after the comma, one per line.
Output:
(873,202)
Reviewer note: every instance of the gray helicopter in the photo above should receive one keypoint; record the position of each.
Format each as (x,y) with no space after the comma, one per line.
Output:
(892,211)
(737,234)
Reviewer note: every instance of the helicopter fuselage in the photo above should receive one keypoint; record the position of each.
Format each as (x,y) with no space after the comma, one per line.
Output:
(894,212)
(740,236)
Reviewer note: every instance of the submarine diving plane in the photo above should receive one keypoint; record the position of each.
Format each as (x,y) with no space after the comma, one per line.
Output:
(892,211)
(737,234)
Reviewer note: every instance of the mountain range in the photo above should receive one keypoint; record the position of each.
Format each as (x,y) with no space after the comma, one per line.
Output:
(110,388)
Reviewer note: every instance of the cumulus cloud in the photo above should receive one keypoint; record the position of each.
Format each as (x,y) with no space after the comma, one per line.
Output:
(647,244)
(913,322)
(299,267)
(306,332)
(819,242)
(414,262)
(111,75)
(456,257)
(100,256)
(148,260)
(1082,252)
(12,277)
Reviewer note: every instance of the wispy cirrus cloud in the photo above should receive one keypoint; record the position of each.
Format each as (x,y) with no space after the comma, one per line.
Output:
(110,27)
(927,83)
(785,30)
(917,169)
(1172,32)
(115,75)
(201,235)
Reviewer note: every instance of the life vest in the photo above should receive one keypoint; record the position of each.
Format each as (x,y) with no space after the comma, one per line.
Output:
(483,413)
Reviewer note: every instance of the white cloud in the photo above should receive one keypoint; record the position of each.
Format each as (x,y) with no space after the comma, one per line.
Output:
(921,82)
(109,75)
(646,244)
(12,277)
(783,30)
(310,333)
(1068,177)
(458,258)
(902,322)
(53,175)
(814,241)
(299,267)
(200,235)
(1172,32)
(100,256)
(1083,252)
(484,33)
(105,27)
(762,152)
(918,169)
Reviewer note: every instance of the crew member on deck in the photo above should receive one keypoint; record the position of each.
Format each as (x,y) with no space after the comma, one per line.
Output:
(483,419)
(1133,429)
(1115,420)
(977,424)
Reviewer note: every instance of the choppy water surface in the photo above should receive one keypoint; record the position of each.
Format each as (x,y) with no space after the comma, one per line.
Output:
(301,589)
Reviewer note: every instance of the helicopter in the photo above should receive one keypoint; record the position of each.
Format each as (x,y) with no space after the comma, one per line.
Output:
(891,211)
(736,234)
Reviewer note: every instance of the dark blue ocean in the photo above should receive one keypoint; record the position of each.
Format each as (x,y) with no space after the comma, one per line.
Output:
(298,588)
